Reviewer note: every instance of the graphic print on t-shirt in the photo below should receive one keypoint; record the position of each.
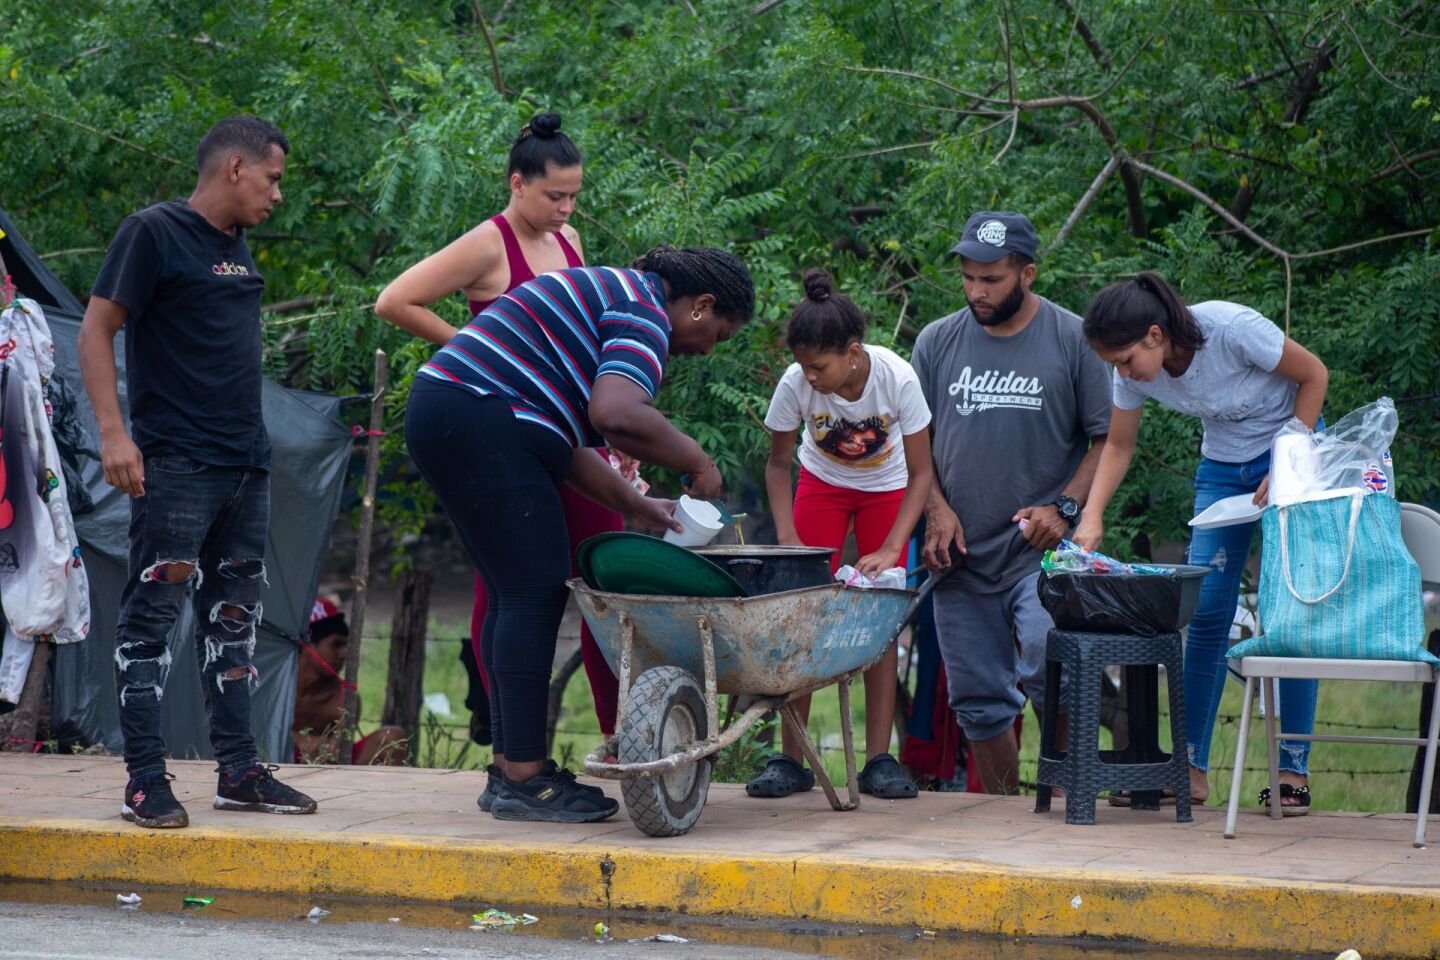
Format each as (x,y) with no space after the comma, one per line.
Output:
(854,444)
(989,389)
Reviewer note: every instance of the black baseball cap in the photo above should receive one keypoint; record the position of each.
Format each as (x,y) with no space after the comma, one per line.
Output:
(991,235)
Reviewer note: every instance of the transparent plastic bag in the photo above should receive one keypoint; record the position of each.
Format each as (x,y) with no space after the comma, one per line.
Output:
(892,579)
(1353,454)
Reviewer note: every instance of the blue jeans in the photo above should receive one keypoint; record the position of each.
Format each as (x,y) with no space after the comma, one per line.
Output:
(204,527)
(1225,550)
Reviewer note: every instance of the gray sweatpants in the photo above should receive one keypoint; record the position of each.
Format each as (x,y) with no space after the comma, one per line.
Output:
(991,644)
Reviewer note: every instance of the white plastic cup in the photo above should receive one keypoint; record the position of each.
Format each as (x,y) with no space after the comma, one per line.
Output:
(701,522)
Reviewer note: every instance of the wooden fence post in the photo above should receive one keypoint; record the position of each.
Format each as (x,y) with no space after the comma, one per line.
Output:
(26,720)
(361,579)
(404,689)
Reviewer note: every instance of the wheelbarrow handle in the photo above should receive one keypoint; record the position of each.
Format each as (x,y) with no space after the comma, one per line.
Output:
(926,588)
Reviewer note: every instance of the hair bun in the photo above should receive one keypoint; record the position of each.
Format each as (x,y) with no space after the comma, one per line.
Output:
(818,285)
(544,125)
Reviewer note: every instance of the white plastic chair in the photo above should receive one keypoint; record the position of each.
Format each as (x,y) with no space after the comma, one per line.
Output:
(1420,527)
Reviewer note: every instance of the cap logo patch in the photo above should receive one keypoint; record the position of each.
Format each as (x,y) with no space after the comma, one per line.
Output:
(991,232)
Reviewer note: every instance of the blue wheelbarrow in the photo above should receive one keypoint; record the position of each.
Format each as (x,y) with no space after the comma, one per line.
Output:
(674,656)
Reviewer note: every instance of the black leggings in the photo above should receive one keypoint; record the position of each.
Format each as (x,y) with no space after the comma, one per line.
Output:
(497,478)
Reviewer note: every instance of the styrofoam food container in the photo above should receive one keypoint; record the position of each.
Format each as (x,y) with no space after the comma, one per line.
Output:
(1227,512)
(701,522)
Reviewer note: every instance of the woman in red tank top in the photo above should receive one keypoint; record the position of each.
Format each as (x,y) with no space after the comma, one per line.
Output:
(529,237)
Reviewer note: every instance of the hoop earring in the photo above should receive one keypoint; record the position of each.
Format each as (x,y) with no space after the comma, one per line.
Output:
(694,316)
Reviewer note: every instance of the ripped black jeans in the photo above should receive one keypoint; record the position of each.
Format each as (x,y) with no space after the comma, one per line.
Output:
(199,527)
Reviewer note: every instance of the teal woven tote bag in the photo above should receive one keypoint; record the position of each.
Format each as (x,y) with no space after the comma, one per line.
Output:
(1336,581)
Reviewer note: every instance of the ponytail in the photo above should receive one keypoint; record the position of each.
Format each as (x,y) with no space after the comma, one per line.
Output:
(1122,313)
(692,271)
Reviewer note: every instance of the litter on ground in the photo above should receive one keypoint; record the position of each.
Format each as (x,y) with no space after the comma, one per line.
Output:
(660,938)
(493,919)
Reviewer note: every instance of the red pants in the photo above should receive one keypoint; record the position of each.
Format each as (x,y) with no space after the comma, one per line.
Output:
(823,514)
(583,519)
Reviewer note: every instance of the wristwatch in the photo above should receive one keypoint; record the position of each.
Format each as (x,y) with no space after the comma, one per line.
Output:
(1069,509)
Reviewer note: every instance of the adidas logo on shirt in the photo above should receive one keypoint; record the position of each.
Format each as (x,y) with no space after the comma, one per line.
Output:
(228,269)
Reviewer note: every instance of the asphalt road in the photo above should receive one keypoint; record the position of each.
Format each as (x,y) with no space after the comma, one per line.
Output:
(40,932)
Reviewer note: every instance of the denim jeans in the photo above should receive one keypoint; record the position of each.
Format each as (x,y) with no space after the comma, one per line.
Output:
(1225,550)
(199,530)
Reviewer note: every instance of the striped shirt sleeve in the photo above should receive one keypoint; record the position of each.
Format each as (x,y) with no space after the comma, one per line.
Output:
(634,343)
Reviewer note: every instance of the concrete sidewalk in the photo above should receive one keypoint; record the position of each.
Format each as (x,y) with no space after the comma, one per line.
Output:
(944,861)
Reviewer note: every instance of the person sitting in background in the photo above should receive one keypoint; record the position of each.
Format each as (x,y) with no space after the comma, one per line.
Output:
(320,699)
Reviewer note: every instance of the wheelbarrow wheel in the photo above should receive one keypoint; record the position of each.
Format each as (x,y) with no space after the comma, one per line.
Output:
(665,714)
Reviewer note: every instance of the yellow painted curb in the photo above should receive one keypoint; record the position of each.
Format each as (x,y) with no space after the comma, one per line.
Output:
(1231,913)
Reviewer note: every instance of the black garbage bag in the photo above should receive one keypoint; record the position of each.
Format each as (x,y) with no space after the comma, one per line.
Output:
(1142,604)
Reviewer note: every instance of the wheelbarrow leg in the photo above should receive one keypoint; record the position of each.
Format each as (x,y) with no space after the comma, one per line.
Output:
(627,643)
(847,734)
(812,755)
(707,652)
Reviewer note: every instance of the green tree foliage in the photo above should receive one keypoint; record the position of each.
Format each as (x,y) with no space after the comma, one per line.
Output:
(1221,143)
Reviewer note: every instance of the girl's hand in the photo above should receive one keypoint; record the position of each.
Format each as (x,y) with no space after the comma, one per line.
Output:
(790,540)
(652,513)
(1262,496)
(874,564)
(1089,533)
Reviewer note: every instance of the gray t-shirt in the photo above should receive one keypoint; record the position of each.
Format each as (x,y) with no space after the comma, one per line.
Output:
(1231,384)
(1013,417)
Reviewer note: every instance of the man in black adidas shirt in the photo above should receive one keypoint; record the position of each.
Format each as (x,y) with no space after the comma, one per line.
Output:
(180,280)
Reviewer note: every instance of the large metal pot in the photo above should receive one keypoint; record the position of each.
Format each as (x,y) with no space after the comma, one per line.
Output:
(763,569)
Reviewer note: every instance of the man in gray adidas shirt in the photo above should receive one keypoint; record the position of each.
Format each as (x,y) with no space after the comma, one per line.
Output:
(1021,408)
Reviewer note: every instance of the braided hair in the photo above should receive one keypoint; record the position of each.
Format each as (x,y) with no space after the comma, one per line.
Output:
(824,320)
(540,143)
(691,271)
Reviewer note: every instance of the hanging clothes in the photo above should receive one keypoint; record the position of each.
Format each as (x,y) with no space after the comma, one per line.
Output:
(43,583)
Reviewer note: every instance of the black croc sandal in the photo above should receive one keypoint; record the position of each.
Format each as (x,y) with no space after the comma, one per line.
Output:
(883,778)
(1299,808)
(780,778)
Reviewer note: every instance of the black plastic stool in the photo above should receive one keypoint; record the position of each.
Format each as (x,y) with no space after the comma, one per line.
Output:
(1083,769)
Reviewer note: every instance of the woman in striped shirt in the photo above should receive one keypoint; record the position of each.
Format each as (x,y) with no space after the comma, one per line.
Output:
(501,417)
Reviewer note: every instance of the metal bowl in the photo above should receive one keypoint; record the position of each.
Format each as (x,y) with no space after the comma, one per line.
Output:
(766,568)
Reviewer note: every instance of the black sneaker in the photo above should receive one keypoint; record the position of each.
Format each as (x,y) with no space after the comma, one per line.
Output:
(257,789)
(552,796)
(493,779)
(150,803)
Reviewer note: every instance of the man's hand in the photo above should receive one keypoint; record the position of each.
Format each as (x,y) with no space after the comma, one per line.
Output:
(124,465)
(1262,496)
(1089,533)
(942,534)
(1043,527)
(874,564)
(652,513)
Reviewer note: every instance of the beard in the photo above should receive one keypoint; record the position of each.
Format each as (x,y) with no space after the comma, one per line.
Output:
(1002,311)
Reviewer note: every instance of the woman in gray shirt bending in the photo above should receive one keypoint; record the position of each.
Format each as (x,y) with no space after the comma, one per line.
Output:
(1244,378)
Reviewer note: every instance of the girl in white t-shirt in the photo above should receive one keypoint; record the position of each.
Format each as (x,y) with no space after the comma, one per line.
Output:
(864,460)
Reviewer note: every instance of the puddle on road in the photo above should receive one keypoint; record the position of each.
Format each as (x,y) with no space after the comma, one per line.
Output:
(841,941)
